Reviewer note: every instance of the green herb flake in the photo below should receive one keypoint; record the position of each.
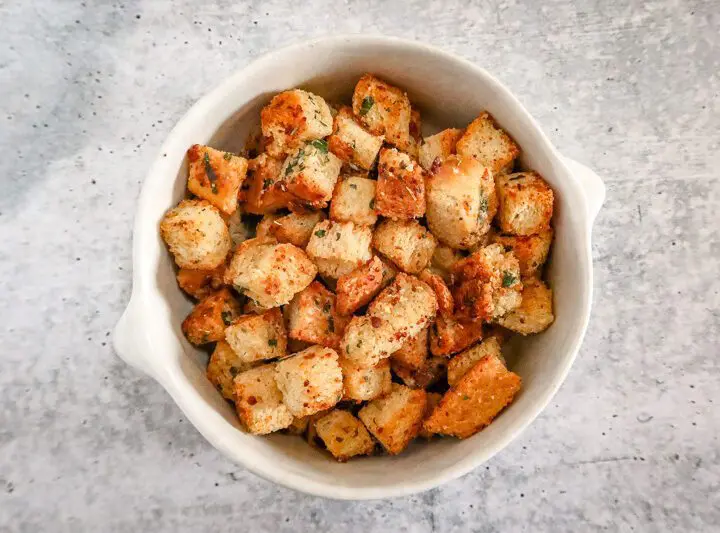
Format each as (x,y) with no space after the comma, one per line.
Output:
(226,317)
(272,342)
(321,145)
(372,203)
(320,233)
(509,279)
(331,325)
(366,105)
(353,186)
(465,397)
(483,206)
(210,172)
(234,371)
(227,156)
(267,182)
(326,308)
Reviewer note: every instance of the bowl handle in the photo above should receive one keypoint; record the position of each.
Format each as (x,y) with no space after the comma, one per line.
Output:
(592,185)
(129,339)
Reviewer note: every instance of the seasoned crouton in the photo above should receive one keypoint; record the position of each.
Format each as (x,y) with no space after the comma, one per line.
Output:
(222,368)
(311,433)
(312,317)
(475,400)
(296,228)
(309,173)
(216,176)
(260,193)
(461,202)
(209,318)
(351,142)
(299,426)
(196,235)
(365,383)
(526,203)
(344,435)
(353,201)
(433,398)
(358,287)
(269,273)
(258,337)
(451,335)
(368,340)
(310,381)
(338,248)
(531,252)
(432,371)
(395,419)
(415,133)
(436,148)
(293,117)
(464,361)
(259,402)
(400,192)
(485,141)
(413,354)
(446,305)
(406,243)
(384,110)
(264,227)
(443,260)
(201,283)
(535,313)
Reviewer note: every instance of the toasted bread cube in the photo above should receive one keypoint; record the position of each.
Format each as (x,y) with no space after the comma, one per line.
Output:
(469,406)
(258,401)
(209,318)
(309,173)
(270,273)
(400,192)
(196,235)
(535,313)
(258,337)
(365,383)
(446,304)
(384,110)
(216,176)
(222,368)
(413,354)
(443,259)
(526,203)
(260,191)
(293,117)
(415,133)
(368,340)
(437,148)
(432,371)
(461,202)
(531,252)
(201,283)
(485,141)
(395,419)
(264,227)
(465,360)
(351,142)
(344,435)
(358,287)
(433,399)
(296,228)
(406,243)
(338,248)
(353,201)
(312,317)
(449,335)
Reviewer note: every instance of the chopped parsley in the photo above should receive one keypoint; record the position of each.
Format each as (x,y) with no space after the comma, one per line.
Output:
(321,145)
(272,342)
(366,105)
(509,279)
(226,317)
(326,308)
(353,185)
(483,205)
(267,182)
(331,325)
(227,156)
(320,233)
(466,397)
(210,173)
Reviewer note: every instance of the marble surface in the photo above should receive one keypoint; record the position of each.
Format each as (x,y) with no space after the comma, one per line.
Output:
(89,91)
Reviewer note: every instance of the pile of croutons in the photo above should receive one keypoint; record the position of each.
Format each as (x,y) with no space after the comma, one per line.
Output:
(356,282)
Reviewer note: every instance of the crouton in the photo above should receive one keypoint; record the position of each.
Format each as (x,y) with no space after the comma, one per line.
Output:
(196,235)
(312,317)
(258,401)
(443,260)
(310,381)
(344,435)
(406,243)
(446,305)
(309,173)
(535,313)
(531,252)
(293,117)
(351,142)
(209,318)
(432,371)
(485,390)
(296,228)
(436,148)
(365,383)
(216,176)
(259,192)
(413,354)
(201,283)
(222,368)
(311,433)
(465,360)
(415,133)
(451,335)
(485,141)
(368,340)
(461,202)
(400,191)
(239,226)
(395,419)
(338,248)
(269,273)
(384,110)
(299,426)
(353,201)
(526,203)
(258,337)
(264,227)
(433,398)
(358,287)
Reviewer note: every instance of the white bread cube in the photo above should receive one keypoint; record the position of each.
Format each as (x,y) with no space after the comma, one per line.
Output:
(353,201)
(309,173)
(196,235)
(216,176)
(464,361)
(258,337)
(344,435)
(406,243)
(209,318)
(296,228)
(531,252)
(413,354)
(526,203)
(449,335)
(433,370)
(261,193)
(358,287)
(338,248)
(351,142)
(487,142)
(258,401)
(400,191)
(535,313)
(310,381)
(435,149)
(312,317)
(365,383)
(223,366)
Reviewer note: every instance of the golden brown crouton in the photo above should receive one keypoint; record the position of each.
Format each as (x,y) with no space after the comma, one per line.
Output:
(353,201)
(309,173)
(310,381)
(209,318)
(531,252)
(201,283)
(258,337)
(216,176)
(400,192)
(535,313)
(222,368)
(436,148)
(295,228)
(299,426)
(433,399)
(406,243)
(413,354)
(475,400)
(351,142)
(338,248)
(432,371)
(196,235)
(526,203)
(258,401)
(365,383)
(443,259)
(344,435)
(446,305)
(451,335)
(489,144)
(465,360)
(260,194)
(358,287)
(312,317)
(395,419)
(262,231)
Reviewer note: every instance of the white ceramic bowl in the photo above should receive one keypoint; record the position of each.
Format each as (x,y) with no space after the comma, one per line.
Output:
(449,92)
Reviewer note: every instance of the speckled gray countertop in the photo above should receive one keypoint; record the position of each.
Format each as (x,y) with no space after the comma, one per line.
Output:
(90,89)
